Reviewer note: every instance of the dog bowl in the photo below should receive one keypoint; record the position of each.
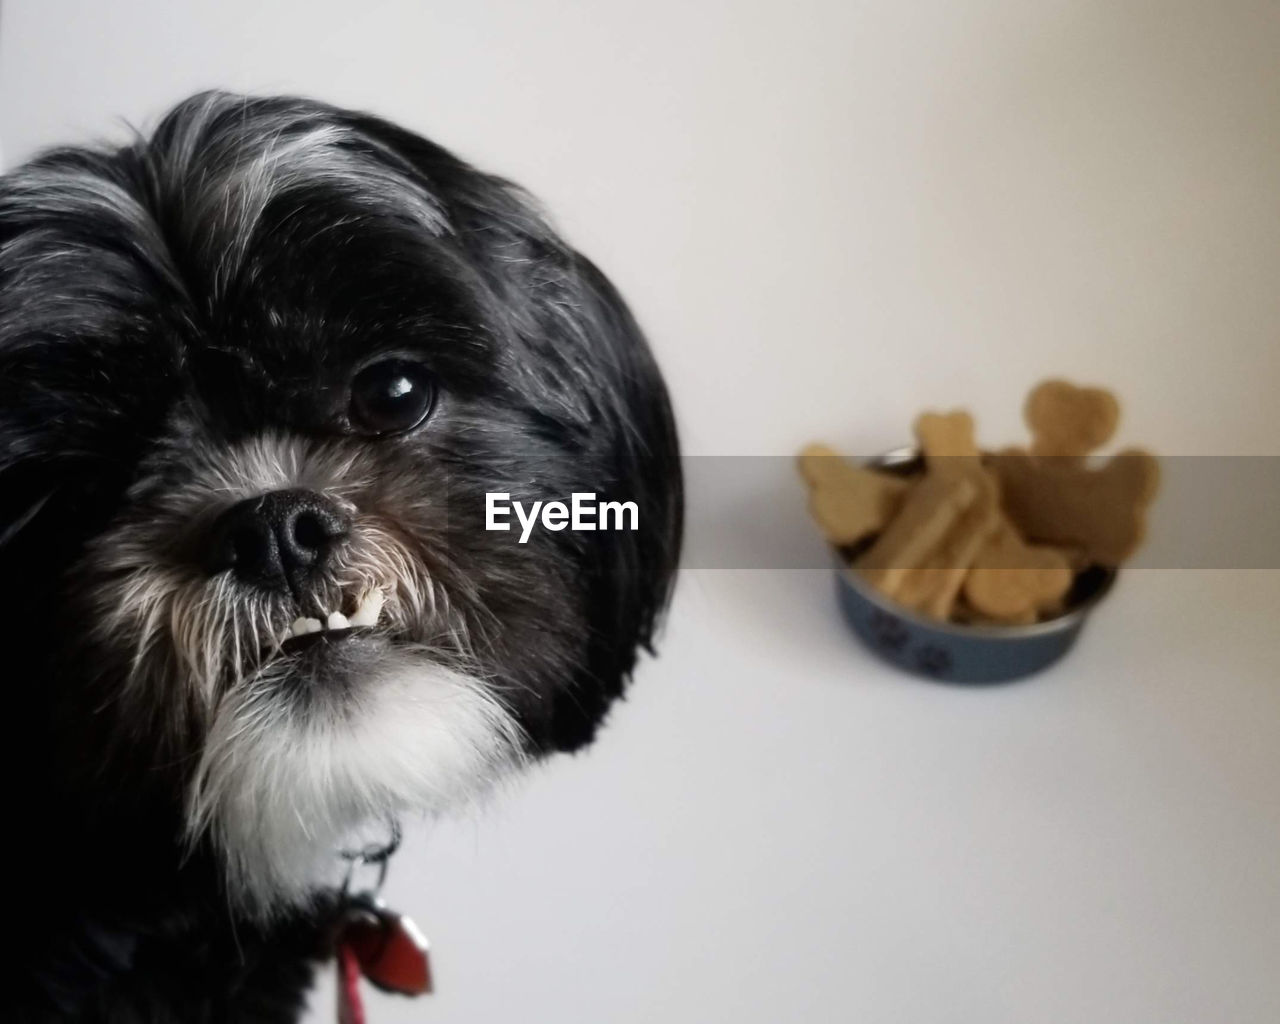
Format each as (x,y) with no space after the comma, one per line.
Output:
(954,652)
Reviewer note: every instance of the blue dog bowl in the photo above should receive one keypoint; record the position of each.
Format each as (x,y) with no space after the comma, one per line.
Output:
(953,652)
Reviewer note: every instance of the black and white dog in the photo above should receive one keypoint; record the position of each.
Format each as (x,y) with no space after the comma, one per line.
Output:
(258,373)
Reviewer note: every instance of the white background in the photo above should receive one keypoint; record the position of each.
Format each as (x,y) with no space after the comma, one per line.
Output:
(830,215)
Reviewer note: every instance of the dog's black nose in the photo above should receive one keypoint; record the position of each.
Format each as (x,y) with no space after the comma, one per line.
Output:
(277,540)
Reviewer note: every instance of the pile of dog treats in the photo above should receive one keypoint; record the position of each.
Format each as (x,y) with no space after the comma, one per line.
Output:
(990,538)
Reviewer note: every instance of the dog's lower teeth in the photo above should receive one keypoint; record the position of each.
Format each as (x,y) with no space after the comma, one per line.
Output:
(301,627)
(364,616)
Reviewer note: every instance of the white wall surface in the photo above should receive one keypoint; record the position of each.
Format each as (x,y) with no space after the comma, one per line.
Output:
(829,215)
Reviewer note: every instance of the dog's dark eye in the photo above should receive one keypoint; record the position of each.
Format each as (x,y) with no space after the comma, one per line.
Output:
(391,396)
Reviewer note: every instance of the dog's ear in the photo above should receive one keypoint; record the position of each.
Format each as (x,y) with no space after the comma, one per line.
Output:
(628,573)
(570,321)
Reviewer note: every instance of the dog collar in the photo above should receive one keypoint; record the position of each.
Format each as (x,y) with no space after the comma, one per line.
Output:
(373,941)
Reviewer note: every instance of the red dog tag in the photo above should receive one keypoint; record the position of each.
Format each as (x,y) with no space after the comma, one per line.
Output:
(386,948)
(392,953)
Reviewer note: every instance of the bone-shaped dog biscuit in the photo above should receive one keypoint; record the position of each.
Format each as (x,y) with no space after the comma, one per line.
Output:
(1102,512)
(1069,421)
(848,501)
(933,588)
(947,441)
(930,511)
(951,452)
(1012,581)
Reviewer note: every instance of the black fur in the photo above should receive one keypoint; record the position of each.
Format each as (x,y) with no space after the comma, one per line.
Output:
(148,311)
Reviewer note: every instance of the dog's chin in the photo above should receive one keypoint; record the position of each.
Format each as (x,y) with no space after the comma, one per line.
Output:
(325,745)
(331,668)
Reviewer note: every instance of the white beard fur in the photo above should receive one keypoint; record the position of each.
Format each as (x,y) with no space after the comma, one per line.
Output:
(283,790)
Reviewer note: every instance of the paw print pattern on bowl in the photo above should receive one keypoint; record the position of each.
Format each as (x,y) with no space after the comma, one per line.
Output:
(889,631)
(932,660)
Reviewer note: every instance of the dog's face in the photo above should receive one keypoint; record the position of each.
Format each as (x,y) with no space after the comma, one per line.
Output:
(257,375)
